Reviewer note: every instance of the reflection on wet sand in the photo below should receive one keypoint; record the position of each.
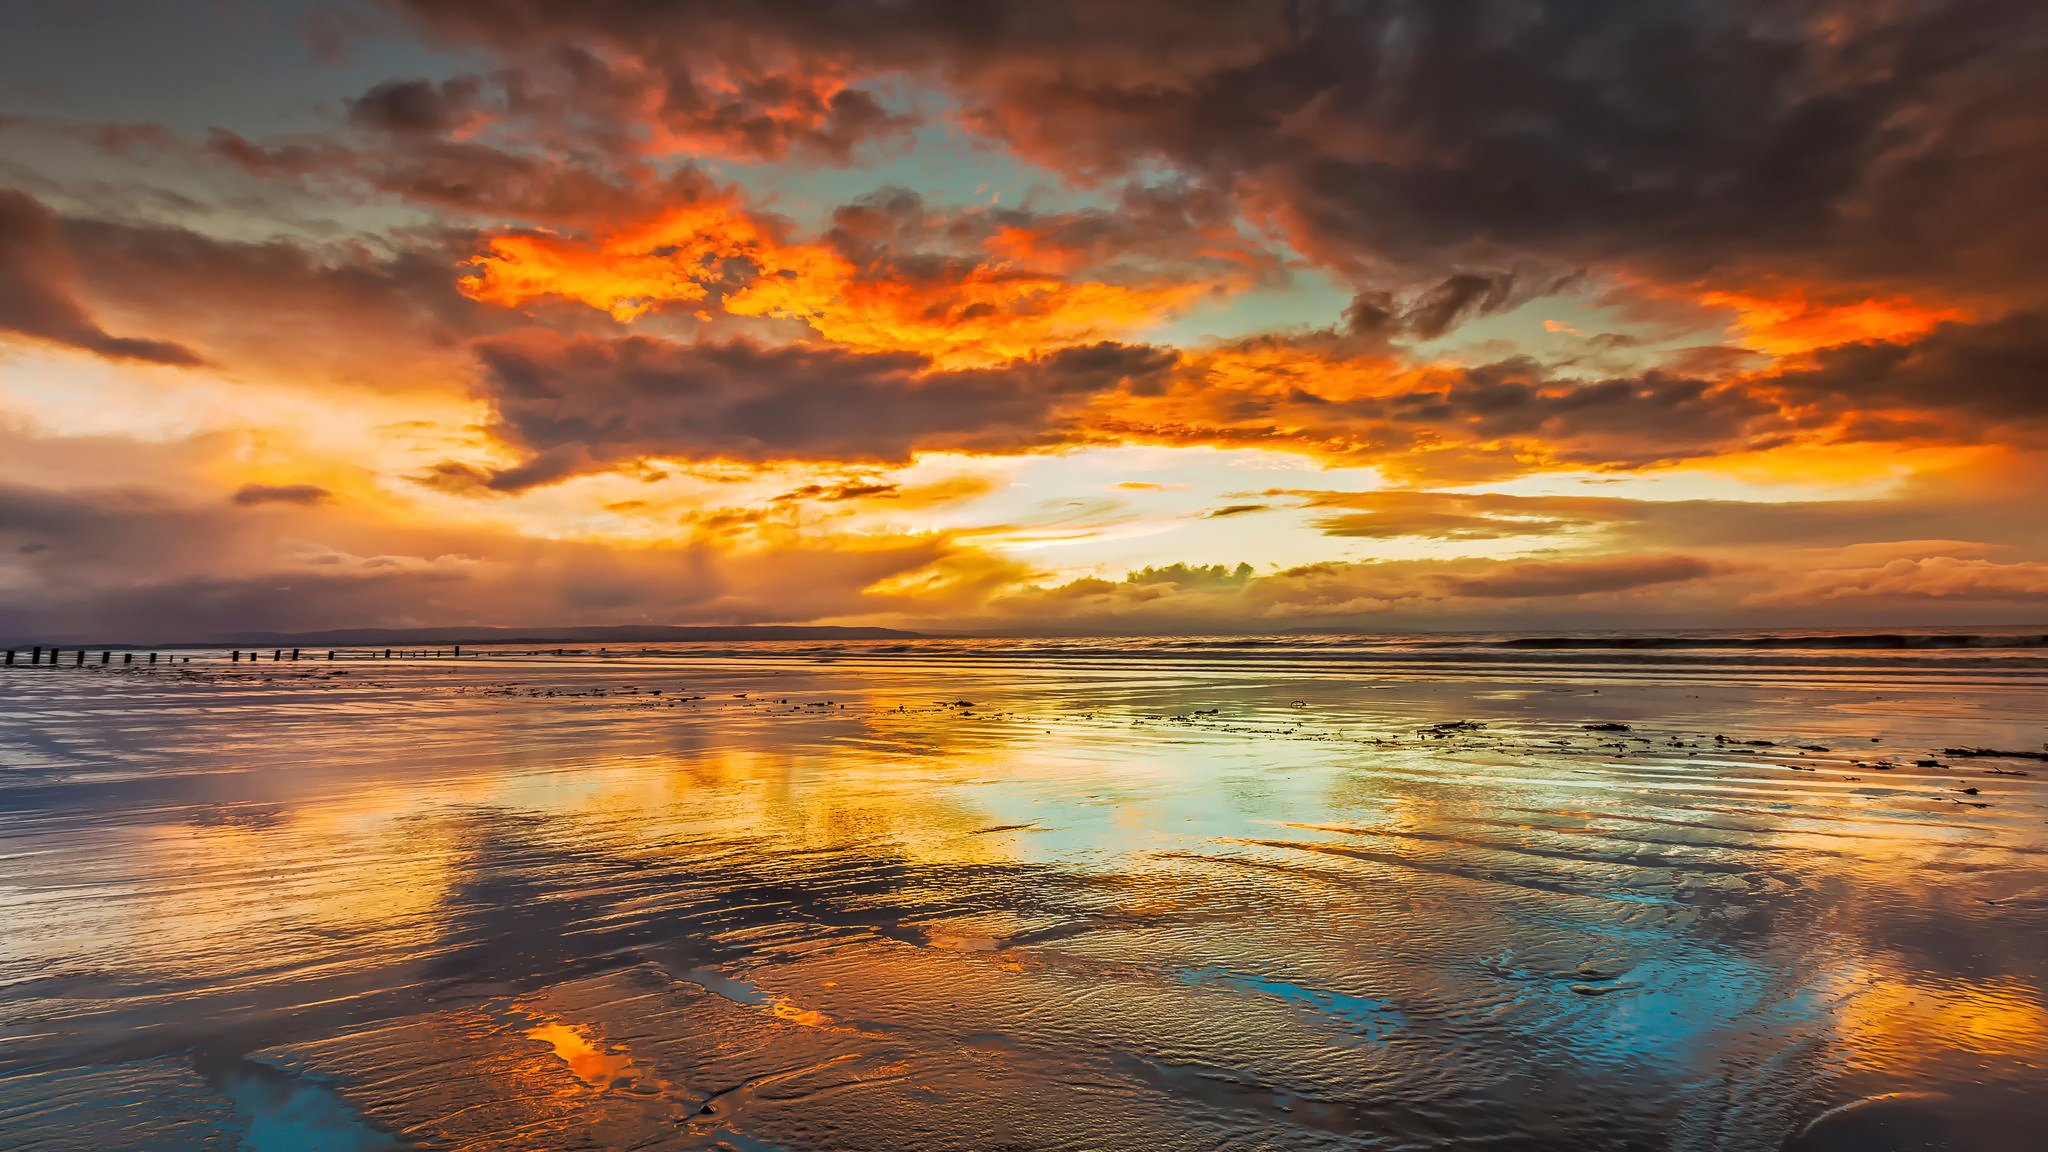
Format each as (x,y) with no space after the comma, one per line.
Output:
(949,903)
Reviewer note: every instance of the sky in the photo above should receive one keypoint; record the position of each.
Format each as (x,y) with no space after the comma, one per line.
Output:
(1022,316)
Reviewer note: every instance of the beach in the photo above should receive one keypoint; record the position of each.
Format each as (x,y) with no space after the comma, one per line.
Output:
(1716,891)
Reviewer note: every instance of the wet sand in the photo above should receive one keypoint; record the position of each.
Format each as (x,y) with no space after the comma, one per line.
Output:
(940,896)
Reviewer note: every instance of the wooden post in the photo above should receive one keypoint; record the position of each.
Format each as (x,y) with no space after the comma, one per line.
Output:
(458,651)
(10,657)
(152,657)
(295,653)
(387,653)
(237,657)
(80,661)
(36,657)
(127,657)
(330,653)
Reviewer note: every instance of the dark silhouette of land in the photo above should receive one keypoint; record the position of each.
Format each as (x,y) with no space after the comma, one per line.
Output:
(600,634)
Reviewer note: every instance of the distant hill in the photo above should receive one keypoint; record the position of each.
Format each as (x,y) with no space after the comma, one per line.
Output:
(608,634)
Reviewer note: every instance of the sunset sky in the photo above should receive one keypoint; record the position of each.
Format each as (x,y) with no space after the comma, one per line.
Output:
(1035,316)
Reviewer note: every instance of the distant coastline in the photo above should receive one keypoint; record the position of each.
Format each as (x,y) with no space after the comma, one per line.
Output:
(589,634)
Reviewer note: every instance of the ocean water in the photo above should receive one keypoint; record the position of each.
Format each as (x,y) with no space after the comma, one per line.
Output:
(1699,891)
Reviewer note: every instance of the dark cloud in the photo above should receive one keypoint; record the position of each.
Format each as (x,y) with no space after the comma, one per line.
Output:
(1435,311)
(343,312)
(1473,423)
(300,494)
(419,107)
(1234,510)
(664,87)
(277,161)
(1995,371)
(834,493)
(1538,579)
(1457,298)
(580,404)
(120,139)
(39,291)
(490,182)
(1831,138)
(455,477)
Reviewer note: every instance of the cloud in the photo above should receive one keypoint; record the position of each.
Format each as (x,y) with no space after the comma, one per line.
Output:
(1537,579)
(1433,312)
(695,82)
(419,107)
(1834,140)
(1395,514)
(456,173)
(140,563)
(976,286)
(1993,372)
(579,404)
(1972,580)
(1436,422)
(1378,593)
(298,494)
(39,286)
(835,493)
(386,318)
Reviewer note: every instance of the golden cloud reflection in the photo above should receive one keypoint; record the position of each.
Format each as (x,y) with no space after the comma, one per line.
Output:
(1909,1024)
(598,1069)
(831,864)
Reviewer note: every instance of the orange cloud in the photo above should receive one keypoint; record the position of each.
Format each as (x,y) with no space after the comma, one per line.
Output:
(979,311)
(1966,579)
(626,273)
(1792,322)
(992,313)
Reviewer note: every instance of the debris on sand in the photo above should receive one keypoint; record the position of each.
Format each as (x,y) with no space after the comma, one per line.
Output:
(1606,726)
(1599,989)
(1994,753)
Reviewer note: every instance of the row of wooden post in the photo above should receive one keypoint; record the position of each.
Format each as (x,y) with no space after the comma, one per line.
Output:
(35,656)
(278,654)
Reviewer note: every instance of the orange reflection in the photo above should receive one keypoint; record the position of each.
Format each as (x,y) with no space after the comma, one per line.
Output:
(596,1068)
(805,1017)
(1903,1024)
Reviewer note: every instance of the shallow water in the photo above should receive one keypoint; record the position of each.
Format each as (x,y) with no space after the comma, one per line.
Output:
(1286,894)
